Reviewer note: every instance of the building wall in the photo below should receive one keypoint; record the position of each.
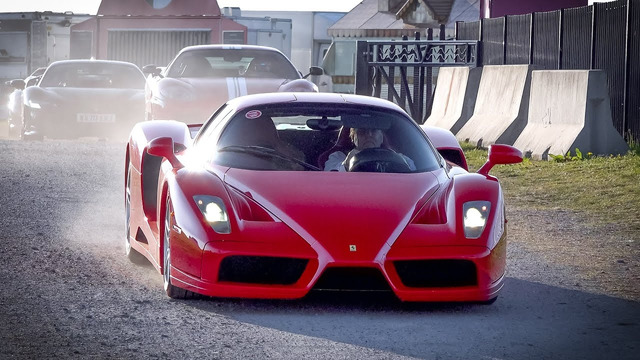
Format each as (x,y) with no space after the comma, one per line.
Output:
(100,27)
(309,37)
(184,17)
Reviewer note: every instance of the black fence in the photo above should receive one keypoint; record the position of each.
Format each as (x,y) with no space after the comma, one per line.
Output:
(601,36)
(403,71)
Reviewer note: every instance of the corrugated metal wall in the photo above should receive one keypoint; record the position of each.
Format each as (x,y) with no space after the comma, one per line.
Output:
(576,38)
(546,39)
(159,47)
(601,36)
(518,45)
(493,41)
(468,30)
(609,52)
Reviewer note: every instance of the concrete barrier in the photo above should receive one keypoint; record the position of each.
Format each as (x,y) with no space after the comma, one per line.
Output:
(500,112)
(454,98)
(569,109)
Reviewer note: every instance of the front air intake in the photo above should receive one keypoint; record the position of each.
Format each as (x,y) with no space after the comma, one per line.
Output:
(261,270)
(436,273)
(352,278)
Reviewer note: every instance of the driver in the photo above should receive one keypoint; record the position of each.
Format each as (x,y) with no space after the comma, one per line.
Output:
(362,139)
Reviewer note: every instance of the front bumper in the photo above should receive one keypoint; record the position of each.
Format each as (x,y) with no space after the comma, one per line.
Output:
(426,274)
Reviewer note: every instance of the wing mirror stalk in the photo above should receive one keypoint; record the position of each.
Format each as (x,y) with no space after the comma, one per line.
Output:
(500,154)
(164,147)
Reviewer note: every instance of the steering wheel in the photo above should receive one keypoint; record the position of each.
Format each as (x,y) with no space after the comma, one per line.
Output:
(377,160)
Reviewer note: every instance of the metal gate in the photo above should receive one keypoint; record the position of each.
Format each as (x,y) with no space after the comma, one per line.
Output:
(403,71)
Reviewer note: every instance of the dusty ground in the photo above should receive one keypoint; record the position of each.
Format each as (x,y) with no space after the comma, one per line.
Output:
(572,292)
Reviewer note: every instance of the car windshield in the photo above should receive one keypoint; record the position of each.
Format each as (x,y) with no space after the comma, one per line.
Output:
(93,75)
(250,63)
(302,138)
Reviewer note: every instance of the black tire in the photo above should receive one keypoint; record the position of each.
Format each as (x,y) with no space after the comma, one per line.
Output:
(132,254)
(489,302)
(28,133)
(172,291)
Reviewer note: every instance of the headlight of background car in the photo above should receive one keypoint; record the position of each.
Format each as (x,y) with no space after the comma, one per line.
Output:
(214,212)
(180,93)
(475,218)
(32,104)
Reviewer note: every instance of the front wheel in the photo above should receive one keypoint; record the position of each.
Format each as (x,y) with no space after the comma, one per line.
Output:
(172,291)
(29,132)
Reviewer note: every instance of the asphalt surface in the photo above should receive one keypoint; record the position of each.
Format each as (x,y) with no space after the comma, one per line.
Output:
(68,291)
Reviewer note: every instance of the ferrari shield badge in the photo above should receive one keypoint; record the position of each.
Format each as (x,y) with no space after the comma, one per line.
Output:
(352,248)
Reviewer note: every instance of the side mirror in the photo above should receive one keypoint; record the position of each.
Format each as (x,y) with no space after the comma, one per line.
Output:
(151,69)
(500,154)
(315,71)
(163,147)
(17,84)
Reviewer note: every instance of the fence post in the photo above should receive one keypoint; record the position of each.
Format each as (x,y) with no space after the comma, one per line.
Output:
(429,81)
(531,37)
(504,41)
(418,85)
(627,63)
(363,80)
(593,36)
(560,33)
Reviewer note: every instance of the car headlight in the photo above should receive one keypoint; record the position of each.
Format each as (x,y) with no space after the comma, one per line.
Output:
(214,212)
(179,93)
(34,105)
(475,218)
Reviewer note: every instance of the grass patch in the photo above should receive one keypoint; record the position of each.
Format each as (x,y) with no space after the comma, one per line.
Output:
(605,190)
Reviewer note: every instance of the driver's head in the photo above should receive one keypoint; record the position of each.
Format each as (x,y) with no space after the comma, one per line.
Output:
(366,138)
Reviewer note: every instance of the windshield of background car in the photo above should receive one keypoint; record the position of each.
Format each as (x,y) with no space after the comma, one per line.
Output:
(93,75)
(208,63)
(300,137)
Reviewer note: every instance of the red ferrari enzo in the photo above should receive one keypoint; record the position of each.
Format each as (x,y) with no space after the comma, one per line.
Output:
(247,205)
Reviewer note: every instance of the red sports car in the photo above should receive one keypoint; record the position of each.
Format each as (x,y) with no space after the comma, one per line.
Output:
(247,207)
(201,78)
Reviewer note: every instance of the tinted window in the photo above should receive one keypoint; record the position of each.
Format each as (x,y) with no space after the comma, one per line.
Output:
(232,63)
(93,75)
(304,132)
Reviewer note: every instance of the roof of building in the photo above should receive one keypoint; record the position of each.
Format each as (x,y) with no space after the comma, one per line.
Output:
(367,20)
(159,8)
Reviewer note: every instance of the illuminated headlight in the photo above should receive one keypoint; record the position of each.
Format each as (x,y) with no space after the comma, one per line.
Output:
(475,218)
(214,212)
(33,104)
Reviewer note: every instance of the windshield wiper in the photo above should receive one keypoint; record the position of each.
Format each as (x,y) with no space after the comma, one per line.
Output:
(265,151)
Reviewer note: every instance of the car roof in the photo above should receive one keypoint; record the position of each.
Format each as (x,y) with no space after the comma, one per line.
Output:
(311,97)
(92,61)
(229,47)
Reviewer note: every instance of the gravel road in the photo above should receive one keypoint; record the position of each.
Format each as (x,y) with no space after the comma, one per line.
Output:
(70,293)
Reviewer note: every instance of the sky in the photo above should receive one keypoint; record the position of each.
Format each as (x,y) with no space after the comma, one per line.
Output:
(91,6)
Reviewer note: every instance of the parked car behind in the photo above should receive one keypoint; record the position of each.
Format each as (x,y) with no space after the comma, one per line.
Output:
(83,98)
(201,78)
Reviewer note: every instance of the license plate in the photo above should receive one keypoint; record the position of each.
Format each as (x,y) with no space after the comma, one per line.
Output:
(96,118)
